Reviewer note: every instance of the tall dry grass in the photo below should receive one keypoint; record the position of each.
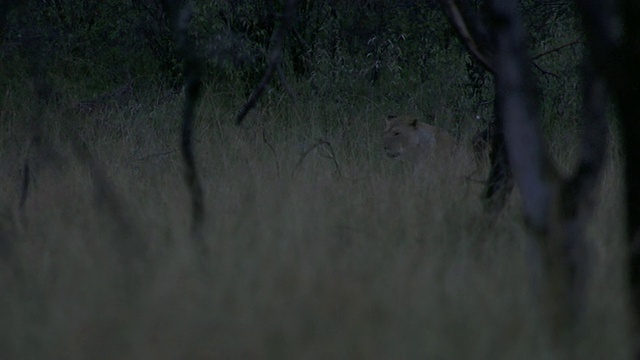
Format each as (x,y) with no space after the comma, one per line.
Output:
(304,262)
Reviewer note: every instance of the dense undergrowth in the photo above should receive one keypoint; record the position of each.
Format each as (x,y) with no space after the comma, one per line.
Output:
(318,246)
(338,253)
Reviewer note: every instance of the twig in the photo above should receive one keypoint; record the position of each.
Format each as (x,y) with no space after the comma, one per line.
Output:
(156,155)
(304,155)
(180,16)
(275,57)
(574,42)
(545,72)
(320,142)
(334,158)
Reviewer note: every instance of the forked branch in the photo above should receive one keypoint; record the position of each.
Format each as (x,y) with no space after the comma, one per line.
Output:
(274,59)
(556,209)
(317,144)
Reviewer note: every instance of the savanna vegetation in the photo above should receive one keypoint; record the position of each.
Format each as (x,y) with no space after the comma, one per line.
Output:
(314,244)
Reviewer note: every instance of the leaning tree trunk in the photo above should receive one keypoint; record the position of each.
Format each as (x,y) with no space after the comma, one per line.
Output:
(556,209)
(617,55)
(276,52)
(473,33)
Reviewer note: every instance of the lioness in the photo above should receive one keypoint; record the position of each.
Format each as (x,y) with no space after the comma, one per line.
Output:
(425,146)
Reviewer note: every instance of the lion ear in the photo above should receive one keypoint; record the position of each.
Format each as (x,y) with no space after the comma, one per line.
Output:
(387,121)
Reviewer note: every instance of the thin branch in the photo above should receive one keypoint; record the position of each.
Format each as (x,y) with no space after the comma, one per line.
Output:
(275,57)
(572,43)
(333,157)
(180,16)
(193,86)
(545,72)
(460,25)
(320,142)
(156,155)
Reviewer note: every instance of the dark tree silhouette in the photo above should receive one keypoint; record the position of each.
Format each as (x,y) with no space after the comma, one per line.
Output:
(556,208)
(473,33)
(616,55)
(179,14)
(274,59)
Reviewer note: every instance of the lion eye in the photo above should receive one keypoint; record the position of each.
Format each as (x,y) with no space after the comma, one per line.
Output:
(397,133)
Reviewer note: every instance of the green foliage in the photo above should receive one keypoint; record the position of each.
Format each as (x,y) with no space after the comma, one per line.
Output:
(102,42)
(306,261)
(399,51)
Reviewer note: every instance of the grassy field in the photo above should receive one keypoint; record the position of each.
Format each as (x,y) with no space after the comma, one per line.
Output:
(339,256)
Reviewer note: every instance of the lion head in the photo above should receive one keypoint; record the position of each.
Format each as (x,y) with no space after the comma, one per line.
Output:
(404,135)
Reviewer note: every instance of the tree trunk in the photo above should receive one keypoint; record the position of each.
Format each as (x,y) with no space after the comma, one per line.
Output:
(556,210)
(617,56)
(473,34)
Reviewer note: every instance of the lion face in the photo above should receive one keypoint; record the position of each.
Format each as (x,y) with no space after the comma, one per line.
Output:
(401,135)
(428,148)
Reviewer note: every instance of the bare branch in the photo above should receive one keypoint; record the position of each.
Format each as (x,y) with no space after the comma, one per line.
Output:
(164,153)
(545,72)
(304,154)
(180,16)
(468,39)
(334,158)
(274,59)
(558,48)
(320,142)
